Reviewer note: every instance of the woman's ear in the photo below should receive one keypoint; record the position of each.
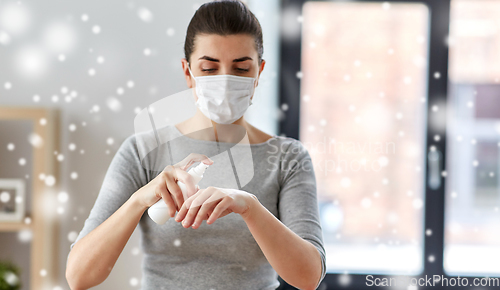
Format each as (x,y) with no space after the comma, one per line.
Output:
(187,75)
(261,68)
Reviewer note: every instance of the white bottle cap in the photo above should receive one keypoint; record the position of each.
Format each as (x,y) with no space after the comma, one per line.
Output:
(200,169)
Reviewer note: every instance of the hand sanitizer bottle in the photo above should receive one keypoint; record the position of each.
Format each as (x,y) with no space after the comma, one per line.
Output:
(159,211)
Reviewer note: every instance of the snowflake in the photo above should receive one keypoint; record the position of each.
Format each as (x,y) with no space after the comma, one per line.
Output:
(170,31)
(145,14)
(96,29)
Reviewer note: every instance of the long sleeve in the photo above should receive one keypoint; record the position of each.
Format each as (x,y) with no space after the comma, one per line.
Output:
(298,205)
(124,176)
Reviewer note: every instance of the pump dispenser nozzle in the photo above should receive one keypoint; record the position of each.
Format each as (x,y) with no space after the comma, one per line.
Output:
(197,174)
(200,169)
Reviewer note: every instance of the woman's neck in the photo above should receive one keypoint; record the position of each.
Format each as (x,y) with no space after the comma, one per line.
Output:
(198,128)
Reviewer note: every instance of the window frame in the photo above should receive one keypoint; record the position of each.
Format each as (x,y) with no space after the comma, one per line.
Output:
(437,91)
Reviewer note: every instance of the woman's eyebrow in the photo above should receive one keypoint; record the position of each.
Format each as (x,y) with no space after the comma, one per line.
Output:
(242,59)
(235,60)
(209,58)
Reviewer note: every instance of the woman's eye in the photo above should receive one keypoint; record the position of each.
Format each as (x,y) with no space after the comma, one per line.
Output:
(214,69)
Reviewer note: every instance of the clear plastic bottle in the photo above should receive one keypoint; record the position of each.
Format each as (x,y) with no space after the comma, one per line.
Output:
(159,212)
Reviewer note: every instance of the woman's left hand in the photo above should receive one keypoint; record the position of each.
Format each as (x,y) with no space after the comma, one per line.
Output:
(212,203)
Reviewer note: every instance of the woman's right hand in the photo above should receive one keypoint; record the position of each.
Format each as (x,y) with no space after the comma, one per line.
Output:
(164,186)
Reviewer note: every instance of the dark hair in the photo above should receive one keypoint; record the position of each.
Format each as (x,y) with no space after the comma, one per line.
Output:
(223,17)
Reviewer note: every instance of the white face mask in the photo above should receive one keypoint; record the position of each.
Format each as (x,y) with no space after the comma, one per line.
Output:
(223,98)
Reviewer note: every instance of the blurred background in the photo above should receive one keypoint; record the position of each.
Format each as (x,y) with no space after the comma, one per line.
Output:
(398,104)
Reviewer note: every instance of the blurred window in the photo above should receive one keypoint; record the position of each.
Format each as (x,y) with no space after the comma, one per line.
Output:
(472,217)
(363,120)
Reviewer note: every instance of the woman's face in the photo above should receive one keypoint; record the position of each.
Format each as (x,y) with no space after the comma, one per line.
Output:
(219,55)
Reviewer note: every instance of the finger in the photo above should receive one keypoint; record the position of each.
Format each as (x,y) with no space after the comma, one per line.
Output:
(191,214)
(174,189)
(182,213)
(216,196)
(185,206)
(168,168)
(188,180)
(210,211)
(220,208)
(194,207)
(200,198)
(162,191)
(203,213)
(192,158)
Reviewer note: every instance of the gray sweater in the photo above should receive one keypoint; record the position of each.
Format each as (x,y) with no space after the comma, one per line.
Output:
(223,255)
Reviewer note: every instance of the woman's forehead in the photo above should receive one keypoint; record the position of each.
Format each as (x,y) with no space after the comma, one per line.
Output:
(224,47)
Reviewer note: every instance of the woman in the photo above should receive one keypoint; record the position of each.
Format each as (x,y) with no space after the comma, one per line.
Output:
(265,227)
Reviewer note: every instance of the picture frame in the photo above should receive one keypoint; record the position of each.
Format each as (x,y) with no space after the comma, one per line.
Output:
(12,200)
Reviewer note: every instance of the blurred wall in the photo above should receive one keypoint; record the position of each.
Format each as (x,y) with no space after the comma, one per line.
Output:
(99,63)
